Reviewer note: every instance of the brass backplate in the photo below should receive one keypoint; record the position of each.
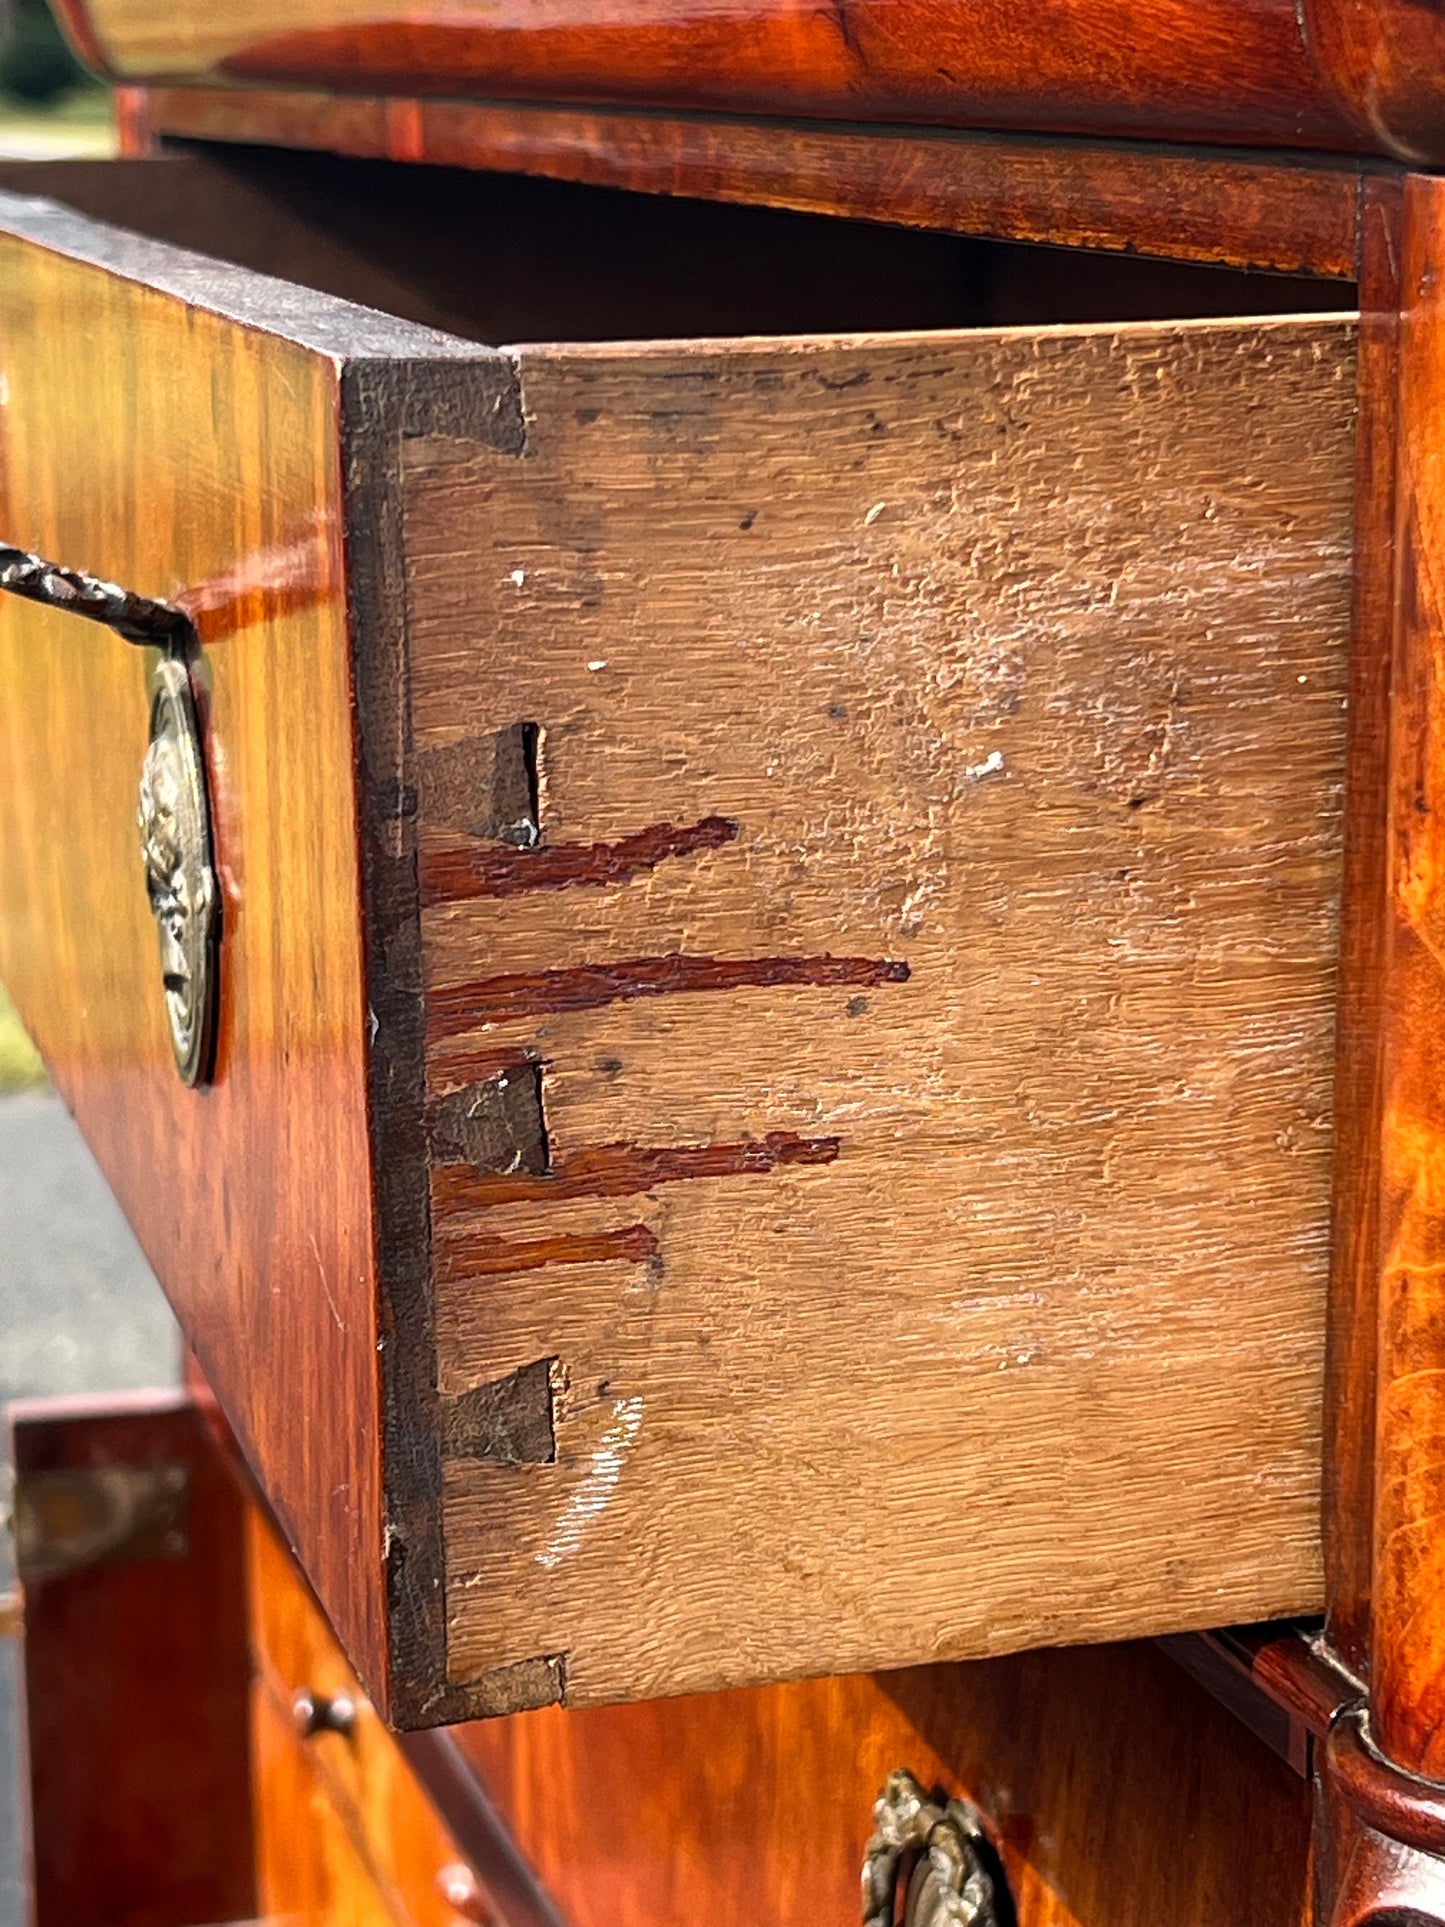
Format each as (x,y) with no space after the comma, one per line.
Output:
(175,831)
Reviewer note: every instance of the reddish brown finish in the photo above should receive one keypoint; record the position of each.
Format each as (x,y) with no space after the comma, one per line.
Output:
(1396,1804)
(727,1809)
(136,1692)
(1298,1678)
(476,1255)
(731,1808)
(1291,215)
(345,1832)
(1366,1879)
(457,1009)
(1385,60)
(1381,1823)
(1351,1355)
(1407,1678)
(240,1191)
(1329,74)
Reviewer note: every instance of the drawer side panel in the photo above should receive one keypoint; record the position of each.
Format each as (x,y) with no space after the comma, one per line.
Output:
(909,1240)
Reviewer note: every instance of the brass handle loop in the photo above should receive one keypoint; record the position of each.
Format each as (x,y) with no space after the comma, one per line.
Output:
(136,618)
(955,1878)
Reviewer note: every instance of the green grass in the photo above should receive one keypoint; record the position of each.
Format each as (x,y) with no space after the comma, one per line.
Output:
(20,1067)
(81,123)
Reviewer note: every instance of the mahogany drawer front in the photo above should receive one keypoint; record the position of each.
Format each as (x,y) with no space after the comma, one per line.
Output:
(1294,73)
(321,1750)
(771,1107)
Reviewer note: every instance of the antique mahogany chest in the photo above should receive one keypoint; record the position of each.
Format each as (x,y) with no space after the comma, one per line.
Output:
(774,1016)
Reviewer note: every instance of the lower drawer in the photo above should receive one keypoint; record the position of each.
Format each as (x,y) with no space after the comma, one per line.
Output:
(174,1779)
(774,915)
(172,1785)
(310,1865)
(319,1741)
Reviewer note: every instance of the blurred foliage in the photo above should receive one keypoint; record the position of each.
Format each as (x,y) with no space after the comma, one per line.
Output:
(36,66)
(20,1067)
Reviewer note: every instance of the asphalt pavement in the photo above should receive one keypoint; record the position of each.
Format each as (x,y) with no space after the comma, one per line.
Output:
(79,1312)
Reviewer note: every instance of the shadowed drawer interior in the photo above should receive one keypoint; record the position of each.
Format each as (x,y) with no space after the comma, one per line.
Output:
(779,896)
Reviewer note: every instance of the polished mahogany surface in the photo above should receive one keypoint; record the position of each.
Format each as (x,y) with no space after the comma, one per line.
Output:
(1120,1793)
(182,452)
(1350,1365)
(1324,74)
(1292,214)
(135,1682)
(1408,1645)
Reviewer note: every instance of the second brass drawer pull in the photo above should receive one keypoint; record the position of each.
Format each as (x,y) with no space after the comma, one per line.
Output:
(174,813)
(956,1879)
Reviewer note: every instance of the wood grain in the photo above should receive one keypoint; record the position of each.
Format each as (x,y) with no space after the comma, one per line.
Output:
(310,1864)
(339,1809)
(1386,60)
(1294,215)
(211,413)
(1245,72)
(1407,1682)
(1352,1335)
(1122,1795)
(135,1690)
(1044,817)
(241,1192)
(904,805)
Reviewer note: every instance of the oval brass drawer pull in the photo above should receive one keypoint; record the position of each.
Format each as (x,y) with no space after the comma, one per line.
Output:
(174,815)
(954,1875)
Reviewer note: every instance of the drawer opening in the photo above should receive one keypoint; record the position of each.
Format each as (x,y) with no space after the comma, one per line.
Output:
(501,258)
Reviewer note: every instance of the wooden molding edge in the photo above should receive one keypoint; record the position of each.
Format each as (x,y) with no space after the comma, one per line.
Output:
(1286,213)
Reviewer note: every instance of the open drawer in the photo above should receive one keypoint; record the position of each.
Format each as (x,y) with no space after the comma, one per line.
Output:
(767,1100)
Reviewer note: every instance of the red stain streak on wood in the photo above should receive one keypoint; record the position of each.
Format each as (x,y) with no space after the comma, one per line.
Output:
(623,1170)
(480,1067)
(454,876)
(458,1008)
(479,1256)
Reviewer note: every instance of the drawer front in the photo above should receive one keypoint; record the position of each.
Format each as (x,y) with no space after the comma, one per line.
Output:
(322,1753)
(778,914)
(1119,1793)
(179,428)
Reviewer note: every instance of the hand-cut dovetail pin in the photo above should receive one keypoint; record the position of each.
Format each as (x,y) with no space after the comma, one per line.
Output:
(174,812)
